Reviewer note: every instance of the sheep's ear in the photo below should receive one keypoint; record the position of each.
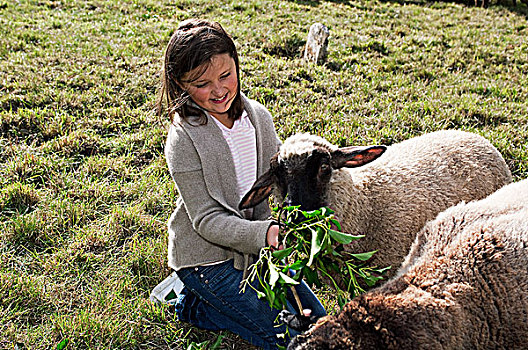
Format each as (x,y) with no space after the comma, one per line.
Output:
(355,156)
(261,190)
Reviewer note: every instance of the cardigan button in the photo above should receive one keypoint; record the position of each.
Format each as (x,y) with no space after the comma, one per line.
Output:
(201,275)
(195,269)
(206,281)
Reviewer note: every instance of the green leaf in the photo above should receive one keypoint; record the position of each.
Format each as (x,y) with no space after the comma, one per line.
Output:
(281,301)
(382,270)
(299,246)
(326,242)
(284,278)
(325,211)
(371,280)
(298,265)
(62,345)
(270,296)
(343,238)
(336,223)
(364,256)
(311,276)
(316,244)
(274,274)
(281,254)
(260,295)
(277,305)
(341,300)
(311,214)
(291,208)
(336,253)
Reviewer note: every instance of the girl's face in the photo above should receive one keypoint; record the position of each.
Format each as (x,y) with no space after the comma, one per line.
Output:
(216,88)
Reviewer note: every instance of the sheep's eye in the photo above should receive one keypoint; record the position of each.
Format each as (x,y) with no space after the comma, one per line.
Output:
(325,167)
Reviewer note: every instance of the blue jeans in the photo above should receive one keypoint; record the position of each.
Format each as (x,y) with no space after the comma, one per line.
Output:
(213,300)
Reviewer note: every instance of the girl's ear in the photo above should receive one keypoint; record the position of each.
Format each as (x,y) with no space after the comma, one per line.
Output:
(355,156)
(260,191)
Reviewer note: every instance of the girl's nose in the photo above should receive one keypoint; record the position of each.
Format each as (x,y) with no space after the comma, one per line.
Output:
(217,88)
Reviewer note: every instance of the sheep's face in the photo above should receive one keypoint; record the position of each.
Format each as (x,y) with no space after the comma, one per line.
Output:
(300,173)
(303,179)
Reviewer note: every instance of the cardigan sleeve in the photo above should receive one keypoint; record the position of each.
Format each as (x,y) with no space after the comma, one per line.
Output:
(211,220)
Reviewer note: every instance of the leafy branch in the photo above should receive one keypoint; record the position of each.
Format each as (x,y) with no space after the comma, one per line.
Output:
(313,251)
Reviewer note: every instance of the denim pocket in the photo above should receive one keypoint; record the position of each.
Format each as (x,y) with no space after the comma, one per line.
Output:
(209,274)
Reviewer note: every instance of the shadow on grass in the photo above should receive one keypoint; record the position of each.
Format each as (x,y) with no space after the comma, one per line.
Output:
(198,339)
(317,2)
(513,5)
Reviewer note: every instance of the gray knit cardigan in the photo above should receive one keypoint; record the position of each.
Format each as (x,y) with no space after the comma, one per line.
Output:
(207,225)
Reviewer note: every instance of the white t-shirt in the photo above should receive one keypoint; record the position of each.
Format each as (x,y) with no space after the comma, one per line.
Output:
(242,142)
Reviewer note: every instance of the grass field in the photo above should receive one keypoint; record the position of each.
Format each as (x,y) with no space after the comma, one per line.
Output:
(84,190)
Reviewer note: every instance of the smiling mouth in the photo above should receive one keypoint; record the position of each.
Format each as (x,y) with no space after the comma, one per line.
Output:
(221,99)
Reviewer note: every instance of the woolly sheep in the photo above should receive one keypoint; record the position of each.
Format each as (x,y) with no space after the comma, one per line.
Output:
(390,199)
(464,285)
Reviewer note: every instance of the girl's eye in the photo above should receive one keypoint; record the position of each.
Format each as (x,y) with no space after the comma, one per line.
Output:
(201,85)
(225,75)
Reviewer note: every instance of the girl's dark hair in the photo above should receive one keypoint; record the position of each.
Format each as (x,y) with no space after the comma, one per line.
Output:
(194,43)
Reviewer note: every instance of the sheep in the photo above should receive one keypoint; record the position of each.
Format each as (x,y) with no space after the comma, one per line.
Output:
(388,197)
(464,285)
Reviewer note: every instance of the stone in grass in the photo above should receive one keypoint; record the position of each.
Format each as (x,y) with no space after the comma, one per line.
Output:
(317,43)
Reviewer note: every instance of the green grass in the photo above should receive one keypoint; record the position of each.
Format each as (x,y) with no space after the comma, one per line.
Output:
(84,189)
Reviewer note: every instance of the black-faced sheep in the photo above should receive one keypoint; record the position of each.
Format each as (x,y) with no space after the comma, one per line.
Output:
(464,285)
(390,199)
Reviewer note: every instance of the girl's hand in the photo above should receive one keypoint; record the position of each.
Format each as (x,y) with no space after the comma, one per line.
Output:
(272,237)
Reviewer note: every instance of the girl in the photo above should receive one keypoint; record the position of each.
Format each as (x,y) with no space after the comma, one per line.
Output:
(219,142)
